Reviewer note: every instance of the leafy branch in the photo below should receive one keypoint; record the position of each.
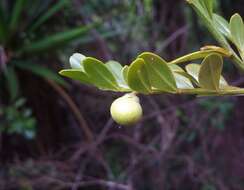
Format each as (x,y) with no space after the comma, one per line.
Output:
(150,74)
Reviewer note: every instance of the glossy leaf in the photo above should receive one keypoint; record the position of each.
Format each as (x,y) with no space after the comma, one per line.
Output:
(237,31)
(210,72)
(116,69)
(160,75)
(99,74)
(222,25)
(76,74)
(138,78)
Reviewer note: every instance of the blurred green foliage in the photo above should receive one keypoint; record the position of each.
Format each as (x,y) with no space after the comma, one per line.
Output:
(28,28)
(18,119)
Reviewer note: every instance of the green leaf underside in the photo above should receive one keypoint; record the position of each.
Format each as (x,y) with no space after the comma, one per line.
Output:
(99,75)
(210,72)
(183,81)
(116,68)
(75,74)
(138,78)
(222,25)
(193,70)
(160,75)
(237,31)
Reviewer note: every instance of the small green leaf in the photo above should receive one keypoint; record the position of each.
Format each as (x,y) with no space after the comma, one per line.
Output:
(182,82)
(237,31)
(193,70)
(125,73)
(76,74)
(160,75)
(138,78)
(99,74)
(222,25)
(181,78)
(210,72)
(116,69)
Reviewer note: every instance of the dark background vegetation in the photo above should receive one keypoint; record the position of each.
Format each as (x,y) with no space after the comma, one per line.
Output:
(57,135)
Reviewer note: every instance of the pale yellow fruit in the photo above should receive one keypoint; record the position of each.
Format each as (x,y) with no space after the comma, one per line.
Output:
(126,110)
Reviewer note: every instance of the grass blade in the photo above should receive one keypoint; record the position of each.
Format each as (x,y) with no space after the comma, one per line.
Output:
(16,12)
(56,40)
(41,71)
(44,17)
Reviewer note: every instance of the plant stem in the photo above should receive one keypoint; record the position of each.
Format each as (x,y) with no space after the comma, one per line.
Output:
(206,92)
(200,55)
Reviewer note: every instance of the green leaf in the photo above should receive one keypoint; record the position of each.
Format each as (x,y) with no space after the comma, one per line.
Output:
(193,69)
(49,13)
(237,31)
(99,74)
(116,69)
(125,73)
(175,68)
(222,25)
(181,78)
(138,78)
(56,40)
(204,15)
(159,73)
(182,81)
(40,71)
(208,5)
(12,81)
(210,72)
(76,74)
(16,13)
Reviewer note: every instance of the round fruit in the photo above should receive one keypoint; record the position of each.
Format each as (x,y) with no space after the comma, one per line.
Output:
(126,110)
